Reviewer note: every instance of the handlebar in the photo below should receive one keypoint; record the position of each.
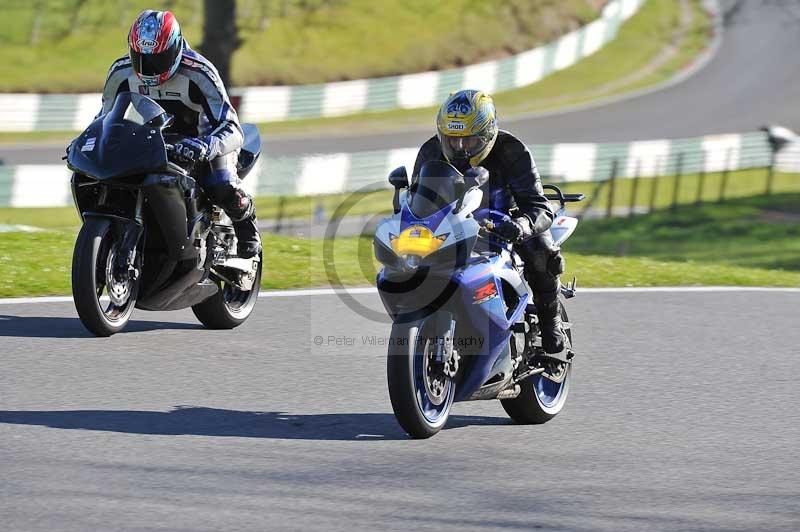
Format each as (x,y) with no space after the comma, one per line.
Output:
(562,198)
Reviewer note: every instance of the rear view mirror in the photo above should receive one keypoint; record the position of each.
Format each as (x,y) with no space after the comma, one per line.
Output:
(398,178)
(476,176)
(472,200)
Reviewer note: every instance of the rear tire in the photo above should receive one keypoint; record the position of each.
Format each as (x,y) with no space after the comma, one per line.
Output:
(90,277)
(413,407)
(540,399)
(229,307)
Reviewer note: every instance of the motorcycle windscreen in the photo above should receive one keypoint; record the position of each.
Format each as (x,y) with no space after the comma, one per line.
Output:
(438,185)
(126,141)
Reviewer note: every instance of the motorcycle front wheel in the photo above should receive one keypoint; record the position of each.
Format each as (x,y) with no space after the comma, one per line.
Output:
(421,394)
(104,301)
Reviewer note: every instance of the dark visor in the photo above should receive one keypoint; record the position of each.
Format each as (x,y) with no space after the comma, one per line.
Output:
(154,64)
(463,146)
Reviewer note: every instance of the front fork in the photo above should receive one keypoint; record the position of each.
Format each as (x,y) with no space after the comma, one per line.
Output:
(128,236)
(444,351)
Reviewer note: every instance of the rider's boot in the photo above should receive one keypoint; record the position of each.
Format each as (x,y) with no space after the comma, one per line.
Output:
(551,326)
(247,236)
(238,205)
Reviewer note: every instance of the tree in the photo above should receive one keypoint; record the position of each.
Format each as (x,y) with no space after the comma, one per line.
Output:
(220,35)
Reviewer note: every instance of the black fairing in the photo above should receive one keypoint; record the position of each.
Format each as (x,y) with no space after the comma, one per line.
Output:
(125,142)
(251,150)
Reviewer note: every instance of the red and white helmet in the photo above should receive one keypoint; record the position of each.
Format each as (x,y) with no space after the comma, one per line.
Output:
(155,46)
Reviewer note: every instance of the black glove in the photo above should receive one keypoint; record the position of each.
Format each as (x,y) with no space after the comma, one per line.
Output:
(476,176)
(191,150)
(514,229)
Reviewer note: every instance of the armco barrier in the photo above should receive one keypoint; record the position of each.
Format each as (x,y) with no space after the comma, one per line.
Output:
(48,185)
(72,112)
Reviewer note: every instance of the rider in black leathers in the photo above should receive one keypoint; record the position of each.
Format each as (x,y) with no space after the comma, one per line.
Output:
(468,138)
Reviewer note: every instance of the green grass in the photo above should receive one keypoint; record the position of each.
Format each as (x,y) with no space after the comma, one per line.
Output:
(30,137)
(639,42)
(748,242)
(284,42)
(756,232)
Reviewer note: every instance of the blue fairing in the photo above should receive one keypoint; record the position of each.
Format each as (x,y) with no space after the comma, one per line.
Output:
(489,318)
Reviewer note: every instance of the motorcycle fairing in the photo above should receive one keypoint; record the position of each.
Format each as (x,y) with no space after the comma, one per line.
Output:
(126,142)
(490,318)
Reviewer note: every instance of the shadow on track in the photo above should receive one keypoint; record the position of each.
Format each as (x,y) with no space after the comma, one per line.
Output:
(55,327)
(201,421)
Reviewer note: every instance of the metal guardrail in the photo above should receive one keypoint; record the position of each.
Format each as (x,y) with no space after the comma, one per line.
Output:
(48,185)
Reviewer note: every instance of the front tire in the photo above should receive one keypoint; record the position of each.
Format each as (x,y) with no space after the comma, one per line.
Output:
(93,275)
(230,306)
(540,399)
(421,409)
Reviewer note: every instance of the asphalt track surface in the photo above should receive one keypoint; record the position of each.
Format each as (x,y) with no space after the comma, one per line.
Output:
(753,80)
(683,416)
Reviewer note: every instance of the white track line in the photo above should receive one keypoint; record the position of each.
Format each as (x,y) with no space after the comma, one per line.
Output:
(372,290)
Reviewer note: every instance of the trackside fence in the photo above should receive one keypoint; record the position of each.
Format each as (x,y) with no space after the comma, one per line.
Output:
(619,179)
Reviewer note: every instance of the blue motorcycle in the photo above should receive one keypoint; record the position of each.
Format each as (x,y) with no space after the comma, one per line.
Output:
(464,323)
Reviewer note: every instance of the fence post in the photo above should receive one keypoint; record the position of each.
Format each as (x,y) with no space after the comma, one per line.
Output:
(678,175)
(771,171)
(724,183)
(279,220)
(654,185)
(635,188)
(701,177)
(611,185)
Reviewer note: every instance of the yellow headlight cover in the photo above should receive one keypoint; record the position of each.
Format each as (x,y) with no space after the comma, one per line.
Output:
(416,240)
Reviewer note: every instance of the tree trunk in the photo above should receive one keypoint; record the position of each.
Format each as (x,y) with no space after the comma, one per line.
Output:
(220,35)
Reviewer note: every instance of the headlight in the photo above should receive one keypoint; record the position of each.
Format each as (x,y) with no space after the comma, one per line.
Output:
(417,240)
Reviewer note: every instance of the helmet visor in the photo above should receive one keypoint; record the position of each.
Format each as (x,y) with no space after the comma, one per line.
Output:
(154,64)
(462,147)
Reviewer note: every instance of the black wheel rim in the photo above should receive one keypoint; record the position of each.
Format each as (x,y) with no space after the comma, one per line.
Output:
(120,293)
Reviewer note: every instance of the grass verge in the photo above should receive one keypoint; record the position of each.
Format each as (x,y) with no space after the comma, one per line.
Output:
(641,41)
(68,45)
(746,242)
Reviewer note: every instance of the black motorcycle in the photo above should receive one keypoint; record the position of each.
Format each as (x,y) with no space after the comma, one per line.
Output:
(150,239)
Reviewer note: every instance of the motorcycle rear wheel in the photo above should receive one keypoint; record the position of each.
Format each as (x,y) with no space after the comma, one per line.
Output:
(540,399)
(93,275)
(230,306)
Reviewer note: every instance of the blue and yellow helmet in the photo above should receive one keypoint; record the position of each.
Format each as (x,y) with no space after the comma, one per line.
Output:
(467,128)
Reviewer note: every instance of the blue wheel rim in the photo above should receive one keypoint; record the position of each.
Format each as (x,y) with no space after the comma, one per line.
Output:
(548,392)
